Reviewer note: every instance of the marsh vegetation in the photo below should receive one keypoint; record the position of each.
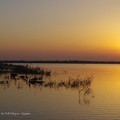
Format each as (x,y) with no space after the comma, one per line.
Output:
(36,77)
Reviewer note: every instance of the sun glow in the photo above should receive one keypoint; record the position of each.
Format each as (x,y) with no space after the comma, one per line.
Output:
(74,30)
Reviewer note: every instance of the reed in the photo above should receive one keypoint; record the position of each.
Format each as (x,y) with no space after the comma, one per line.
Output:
(22,69)
(70,83)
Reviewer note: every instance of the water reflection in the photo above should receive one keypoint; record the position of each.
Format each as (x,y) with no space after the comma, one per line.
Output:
(62,101)
(4,84)
(35,77)
(85,96)
(20,81)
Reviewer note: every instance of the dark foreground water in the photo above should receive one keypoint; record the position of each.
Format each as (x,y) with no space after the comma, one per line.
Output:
(21,101)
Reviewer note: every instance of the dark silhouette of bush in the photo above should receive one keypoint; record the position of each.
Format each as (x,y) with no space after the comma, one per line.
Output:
(22,69)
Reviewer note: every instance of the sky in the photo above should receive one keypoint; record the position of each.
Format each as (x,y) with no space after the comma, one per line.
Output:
(60,30)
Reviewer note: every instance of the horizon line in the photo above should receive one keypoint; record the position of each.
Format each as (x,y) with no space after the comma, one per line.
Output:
(63,61)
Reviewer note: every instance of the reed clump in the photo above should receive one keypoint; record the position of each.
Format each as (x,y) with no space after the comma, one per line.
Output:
(70,83)
(22,69)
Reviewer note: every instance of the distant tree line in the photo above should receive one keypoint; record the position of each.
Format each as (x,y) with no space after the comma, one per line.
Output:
(60,61)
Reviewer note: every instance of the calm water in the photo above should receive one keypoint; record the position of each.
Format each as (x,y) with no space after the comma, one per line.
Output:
(18,100)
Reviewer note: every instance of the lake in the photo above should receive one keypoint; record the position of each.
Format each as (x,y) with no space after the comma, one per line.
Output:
(18,100)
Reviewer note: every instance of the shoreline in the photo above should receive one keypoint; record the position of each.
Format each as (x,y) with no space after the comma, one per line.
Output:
(60,62)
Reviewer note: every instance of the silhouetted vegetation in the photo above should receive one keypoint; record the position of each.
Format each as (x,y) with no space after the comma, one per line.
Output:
(61,61)
(33,76)
(22,69)
(38,80)
(70,83)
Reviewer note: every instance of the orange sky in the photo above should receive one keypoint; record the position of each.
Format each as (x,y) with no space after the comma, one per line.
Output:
(60,29)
